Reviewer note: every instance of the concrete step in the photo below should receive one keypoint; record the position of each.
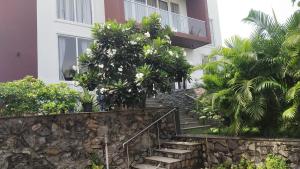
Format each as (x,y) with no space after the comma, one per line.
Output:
(196,127)
(173,153)
(181,145)
(189,124)
(146,166)
(170,163)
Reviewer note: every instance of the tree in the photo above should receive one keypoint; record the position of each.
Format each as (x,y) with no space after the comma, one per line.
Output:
(129,62)
(256,81)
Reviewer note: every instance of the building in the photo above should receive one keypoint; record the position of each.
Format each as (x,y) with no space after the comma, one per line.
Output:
(43,38)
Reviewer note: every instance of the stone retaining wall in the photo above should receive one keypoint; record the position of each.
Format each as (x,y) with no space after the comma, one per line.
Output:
(220,149)
(66,141)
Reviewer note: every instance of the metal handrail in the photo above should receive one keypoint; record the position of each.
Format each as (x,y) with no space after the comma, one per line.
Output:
(145,129)
(191,97)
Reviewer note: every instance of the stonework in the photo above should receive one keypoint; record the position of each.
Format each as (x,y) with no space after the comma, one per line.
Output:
(217,150)
(67,141)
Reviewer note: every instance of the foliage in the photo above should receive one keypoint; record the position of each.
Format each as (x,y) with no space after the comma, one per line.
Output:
(255,83)
(88,101)
(128,62)
(275,162)
(271,162)
(95,162)
(32,96)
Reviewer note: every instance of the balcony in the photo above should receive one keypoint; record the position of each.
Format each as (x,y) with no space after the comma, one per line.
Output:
(191,31)
(178,23)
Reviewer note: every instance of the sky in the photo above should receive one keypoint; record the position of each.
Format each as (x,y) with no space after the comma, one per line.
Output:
(232,12)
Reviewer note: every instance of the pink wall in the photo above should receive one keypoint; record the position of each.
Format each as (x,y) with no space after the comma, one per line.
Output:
(18,39)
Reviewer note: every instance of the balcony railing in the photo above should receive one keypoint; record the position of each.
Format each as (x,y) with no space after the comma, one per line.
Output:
(178,23)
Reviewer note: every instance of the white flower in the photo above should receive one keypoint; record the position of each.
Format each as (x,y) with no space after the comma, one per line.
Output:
(171,53)
(89,52)
(101,66)
(112,64)
(147,34)
(102,90)
(184,53)
(111,52)
(75,68)
(149,51)
(139,76)
(133,42)
(129,90)
(120,69)
(167,37)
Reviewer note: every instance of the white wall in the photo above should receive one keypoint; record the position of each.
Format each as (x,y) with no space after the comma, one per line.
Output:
(195,56)
(48,29)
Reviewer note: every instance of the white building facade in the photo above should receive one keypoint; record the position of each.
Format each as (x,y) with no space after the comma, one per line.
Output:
(63,31)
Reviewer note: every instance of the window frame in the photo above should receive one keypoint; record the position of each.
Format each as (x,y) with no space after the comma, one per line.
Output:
(75,22)
(76,47)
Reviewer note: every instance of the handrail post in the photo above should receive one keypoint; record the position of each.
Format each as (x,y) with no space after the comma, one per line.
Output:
(177,121)
(158,135)
(128,160)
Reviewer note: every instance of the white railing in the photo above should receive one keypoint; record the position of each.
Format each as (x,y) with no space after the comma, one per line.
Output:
(178,23)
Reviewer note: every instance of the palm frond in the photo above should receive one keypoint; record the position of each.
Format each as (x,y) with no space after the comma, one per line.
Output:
(256,109)
(290,113)
(269,84)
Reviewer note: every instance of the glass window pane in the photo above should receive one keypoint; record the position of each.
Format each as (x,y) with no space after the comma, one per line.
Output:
(65,9)
(175,8)
(83,44)
(163,5)
(152,3)
(84,11)
(67,57)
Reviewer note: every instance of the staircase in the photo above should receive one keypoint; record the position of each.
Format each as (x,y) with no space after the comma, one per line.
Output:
(173,155)
(188,121)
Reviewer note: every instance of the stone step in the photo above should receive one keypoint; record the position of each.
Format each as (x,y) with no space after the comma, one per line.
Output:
(181,145)
(146,166)
(170,163)
(174,153)
(196,127)
(190,122)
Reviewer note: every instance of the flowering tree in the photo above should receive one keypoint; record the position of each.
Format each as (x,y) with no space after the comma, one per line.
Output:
(128,62)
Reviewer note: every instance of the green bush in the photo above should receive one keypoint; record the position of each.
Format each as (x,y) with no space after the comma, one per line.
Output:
(30,96)
(275,162)
(271,162)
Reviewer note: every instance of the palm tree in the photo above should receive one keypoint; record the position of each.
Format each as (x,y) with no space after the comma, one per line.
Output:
(250,83)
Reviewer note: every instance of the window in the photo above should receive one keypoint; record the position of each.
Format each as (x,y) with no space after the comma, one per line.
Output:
(75,10)
(163,5)
(152,3)
(69,48)
(175,8)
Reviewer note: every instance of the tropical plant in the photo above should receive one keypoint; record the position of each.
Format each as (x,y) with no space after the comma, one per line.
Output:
(271,162)
(87,100)
(127,62)
(30,96)
(255,83)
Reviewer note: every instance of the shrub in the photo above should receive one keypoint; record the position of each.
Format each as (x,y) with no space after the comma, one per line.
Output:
(32,96)
(271,162)
(275,162)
